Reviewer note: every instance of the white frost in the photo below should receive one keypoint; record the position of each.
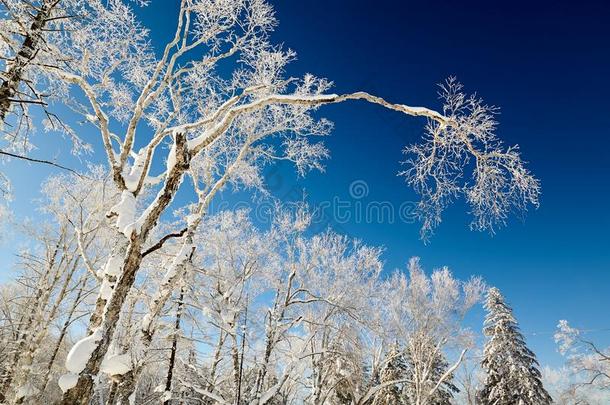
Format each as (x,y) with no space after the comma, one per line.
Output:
(266,397)
(180,258)
(192,219)
(118,364)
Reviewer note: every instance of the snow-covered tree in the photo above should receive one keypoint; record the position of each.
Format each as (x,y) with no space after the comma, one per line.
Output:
(588,363)
(53,273)
(38,37)
(469,378)
(512,375)
(568,388)
(430,379)
(395,368)
(214,107)
(425,313)
(22,40)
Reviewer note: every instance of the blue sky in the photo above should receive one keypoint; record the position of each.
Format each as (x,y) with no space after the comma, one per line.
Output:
(544,63)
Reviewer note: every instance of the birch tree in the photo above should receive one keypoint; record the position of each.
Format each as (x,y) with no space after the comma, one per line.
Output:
(221,126)
(423,314)
(57,274)
(36,38)
(588,363)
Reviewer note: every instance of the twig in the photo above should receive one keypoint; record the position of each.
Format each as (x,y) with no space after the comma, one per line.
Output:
(159,244)
(46,162)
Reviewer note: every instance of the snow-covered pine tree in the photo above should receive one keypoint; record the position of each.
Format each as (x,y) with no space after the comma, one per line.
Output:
(394,369)
(345,374)
(426,367)
(512,371)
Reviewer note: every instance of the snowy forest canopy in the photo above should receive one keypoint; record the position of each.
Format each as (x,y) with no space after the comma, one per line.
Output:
(130,295)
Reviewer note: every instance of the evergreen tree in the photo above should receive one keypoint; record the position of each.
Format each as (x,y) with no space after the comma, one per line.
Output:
(427,365)
(395,368)
(344,372)
(512,371)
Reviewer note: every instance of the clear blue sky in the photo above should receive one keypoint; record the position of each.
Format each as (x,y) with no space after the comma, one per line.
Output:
(545,63)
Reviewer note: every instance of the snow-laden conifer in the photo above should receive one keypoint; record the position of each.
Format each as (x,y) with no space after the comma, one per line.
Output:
(512,371)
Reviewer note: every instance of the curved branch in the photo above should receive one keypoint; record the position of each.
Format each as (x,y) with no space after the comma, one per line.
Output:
(164,239)
(209,135)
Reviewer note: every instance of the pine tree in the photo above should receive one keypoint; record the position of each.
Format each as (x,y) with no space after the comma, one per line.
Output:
(512,371)
(427,364)
(395,368)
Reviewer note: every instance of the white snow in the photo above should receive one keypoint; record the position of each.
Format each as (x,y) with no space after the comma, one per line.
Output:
(133,177)
(106,290)
(116,365)
(81,352)
(146,322)
(193,143)
(91,118)
(126,213)
(67,381)
(113,265)
(181,257)
(171,158)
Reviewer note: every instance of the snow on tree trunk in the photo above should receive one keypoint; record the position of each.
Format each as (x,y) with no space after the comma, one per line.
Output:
(109,303)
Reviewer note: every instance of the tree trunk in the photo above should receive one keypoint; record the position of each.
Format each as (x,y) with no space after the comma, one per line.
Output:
(106,316)
(64,332)
(17,67)
(128,383)
(217,358)
(105,319)
(117,384)
(172,356)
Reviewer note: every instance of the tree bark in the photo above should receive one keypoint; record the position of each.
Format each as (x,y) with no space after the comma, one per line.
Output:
(172,356)
(64,331)
(106,316)
(106,322)
(29,48)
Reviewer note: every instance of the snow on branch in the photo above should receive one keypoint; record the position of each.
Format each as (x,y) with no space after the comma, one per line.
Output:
(466,158)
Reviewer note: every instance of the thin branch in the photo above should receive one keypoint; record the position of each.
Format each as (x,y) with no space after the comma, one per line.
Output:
(46,162)
(164,239)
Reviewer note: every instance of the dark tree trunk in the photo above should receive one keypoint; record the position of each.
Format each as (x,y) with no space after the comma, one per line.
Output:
(30,47)
(172,356)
